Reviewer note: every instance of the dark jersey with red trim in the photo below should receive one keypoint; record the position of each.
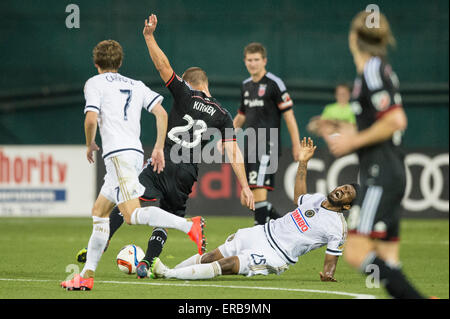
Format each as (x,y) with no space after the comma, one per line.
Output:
(263,103)
(375,93)
(194,120)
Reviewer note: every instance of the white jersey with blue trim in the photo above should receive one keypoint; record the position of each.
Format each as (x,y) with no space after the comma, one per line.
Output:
(308,227)
(119,100)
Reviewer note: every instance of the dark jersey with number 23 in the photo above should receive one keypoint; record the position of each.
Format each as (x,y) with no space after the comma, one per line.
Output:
(194,120)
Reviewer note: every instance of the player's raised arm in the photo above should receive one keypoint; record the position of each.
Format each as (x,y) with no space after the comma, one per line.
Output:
(158,57)
(237,162)
(307,149)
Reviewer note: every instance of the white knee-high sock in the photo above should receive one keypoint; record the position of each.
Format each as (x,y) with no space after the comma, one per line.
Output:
(199,271)
(157,217)
(97,243)
(193,260)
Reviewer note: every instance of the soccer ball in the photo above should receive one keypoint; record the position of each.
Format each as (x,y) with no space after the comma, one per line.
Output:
(129,257)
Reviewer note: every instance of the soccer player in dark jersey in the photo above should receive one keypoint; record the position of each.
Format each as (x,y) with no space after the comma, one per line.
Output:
(264,101)
(195,116)
(374,222)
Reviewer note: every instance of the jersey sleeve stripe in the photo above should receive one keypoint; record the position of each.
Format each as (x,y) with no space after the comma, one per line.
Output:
(278,81)
(241,112)
(150,105)
(285,105)
(372,74)
(171,79)
(91,108)
(334,252)
(228,139)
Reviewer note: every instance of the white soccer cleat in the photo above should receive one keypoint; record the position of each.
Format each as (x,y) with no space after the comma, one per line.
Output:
(158,269)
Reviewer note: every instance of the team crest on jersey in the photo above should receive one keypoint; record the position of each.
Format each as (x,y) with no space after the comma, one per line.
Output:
(310,213)
(262,89)
(246,94)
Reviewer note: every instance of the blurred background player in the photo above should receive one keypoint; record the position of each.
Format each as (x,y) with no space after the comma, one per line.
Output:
(336,116)
(272,247)
(374,223)
(264,100)
(193,105)
(116,102)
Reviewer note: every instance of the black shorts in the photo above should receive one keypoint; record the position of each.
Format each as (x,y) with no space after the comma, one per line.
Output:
(172,186)
(257,174)
(377,212)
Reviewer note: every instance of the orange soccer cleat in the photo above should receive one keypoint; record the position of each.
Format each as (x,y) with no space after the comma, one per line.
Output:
(196,233)
(78,283)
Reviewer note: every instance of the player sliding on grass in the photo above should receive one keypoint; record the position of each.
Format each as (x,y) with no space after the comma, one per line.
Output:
(116,101)
(272,247)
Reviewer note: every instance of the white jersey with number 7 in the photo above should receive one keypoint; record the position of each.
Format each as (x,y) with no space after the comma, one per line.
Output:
(119,100)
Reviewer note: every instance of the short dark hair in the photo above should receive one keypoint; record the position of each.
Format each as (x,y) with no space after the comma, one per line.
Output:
(255,47)
(195,76)
(357,188)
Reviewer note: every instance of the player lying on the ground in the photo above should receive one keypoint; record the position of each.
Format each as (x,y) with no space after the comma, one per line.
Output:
(271,248)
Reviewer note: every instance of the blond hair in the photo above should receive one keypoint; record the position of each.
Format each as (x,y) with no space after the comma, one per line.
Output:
(373,40)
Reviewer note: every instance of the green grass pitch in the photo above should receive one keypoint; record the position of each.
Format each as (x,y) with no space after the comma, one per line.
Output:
(37,252)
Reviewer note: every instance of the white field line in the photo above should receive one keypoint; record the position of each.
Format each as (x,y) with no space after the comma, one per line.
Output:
(356,296)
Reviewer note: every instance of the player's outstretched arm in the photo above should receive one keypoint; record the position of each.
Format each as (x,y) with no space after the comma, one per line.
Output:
(158,161)
(157,55)
(90,129)
(307,149)
(237,162)
(329,268)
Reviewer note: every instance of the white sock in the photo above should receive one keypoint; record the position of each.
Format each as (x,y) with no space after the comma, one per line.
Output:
(157,217)
(199,271)
(97,243)
(193,260)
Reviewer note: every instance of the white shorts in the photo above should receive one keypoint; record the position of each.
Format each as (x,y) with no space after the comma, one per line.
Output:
(121,182)
(256,256)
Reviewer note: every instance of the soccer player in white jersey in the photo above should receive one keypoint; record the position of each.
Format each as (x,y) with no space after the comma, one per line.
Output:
(114,103)
(271,248)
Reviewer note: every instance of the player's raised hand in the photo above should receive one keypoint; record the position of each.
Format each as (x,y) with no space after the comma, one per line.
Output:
(307,149)
(90,152)
(158,161)
(150,25)
(247,199)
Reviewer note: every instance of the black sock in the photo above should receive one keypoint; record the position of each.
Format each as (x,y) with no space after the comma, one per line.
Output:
(273,214)
(261,212)
(115,221)
(155,244)
(395,281)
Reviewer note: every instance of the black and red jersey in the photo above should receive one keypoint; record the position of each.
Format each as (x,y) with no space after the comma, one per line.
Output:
(194,120)
(263,103)
(375,93)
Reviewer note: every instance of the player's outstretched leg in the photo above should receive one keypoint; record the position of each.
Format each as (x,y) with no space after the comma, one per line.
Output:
(198,271)
(157,217)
